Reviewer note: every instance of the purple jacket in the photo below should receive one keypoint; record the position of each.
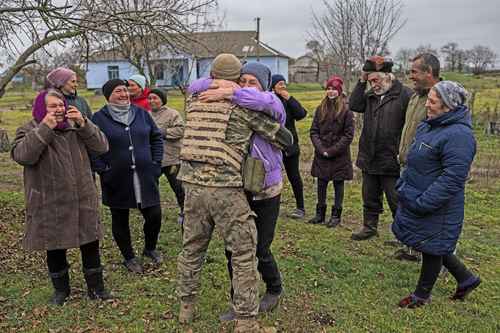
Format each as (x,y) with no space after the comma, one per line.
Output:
(267,102)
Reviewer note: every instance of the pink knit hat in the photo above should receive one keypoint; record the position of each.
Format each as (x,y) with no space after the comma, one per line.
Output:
(58,77)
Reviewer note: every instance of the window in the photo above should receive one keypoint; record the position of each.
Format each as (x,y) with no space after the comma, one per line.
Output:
(113,72)
(159,72)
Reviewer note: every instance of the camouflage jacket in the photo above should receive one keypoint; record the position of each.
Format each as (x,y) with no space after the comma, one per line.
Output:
(234,126)
(415,113)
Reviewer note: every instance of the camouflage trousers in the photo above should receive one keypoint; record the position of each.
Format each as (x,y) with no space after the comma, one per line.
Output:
(227,209)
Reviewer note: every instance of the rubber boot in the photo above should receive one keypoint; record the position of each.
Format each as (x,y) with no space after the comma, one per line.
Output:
(335,219)
(95,284)
(319,218)
(186,311)
(60,281)
(251,325)
(369,230)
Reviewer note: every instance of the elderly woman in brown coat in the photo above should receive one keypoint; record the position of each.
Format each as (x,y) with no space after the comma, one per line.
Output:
(331,133)
(60,194)
(171,126)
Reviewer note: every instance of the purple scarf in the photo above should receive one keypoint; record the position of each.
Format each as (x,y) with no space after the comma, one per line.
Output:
(39,110)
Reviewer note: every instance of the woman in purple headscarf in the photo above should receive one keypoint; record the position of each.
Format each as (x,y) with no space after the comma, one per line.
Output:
(61,197)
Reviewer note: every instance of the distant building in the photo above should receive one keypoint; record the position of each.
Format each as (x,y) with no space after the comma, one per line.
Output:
(190,63)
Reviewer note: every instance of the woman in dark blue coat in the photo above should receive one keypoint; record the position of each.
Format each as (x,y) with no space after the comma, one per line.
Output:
(130,170)
(431,191)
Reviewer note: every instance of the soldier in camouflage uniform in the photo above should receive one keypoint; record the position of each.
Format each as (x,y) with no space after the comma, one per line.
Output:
(215,144)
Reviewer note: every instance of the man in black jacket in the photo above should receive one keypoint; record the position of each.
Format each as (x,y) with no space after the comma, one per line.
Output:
(291,156)
(384,109)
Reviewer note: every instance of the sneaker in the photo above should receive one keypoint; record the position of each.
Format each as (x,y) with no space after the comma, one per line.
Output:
(269,302)
(297,214)
(133,265)
(411,302)
(229,315)
(462,292)
(153,255)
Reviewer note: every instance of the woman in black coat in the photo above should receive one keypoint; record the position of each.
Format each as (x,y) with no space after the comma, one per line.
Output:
(129,172)
(331,133)
(291,156)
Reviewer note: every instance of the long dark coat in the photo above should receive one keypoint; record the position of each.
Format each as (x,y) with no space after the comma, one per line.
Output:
(431,189)
(141,139)
(334,137)
(383,121)
(294,112)
(62,208)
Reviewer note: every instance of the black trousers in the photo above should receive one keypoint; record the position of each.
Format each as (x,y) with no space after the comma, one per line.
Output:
(338,186)
(373,189)
(267,212)
(57,261)
(121,229)
(171,172)
(431,266)
(291,164)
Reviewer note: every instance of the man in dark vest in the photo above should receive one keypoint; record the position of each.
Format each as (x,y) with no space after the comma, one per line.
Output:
(215,143)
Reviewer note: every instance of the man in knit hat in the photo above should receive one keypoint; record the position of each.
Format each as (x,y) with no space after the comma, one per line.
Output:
(215,143)
(383,108)
(138,91)
(291,156)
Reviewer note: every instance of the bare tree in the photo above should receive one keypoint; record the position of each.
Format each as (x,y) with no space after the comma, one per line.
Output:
(480,57)
(426,48)
(403,58)
(171,23)
(353,30)
(27,26)
(451,53)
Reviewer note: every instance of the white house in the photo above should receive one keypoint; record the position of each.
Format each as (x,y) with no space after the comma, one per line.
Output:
(192,63)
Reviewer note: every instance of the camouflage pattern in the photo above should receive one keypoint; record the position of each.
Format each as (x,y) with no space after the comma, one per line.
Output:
(415,113)
(228,210)
(216,140)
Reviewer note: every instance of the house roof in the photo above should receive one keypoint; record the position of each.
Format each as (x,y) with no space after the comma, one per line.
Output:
(209,44)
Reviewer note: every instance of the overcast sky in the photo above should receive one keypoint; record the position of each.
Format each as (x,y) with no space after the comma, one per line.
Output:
(285,23)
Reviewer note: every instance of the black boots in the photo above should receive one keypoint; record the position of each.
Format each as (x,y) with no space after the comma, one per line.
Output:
(60,281)
(369,229)
(336,217)
(320,215)
(95,284)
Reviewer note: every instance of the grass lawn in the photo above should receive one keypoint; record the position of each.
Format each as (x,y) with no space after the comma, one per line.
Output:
(332,284)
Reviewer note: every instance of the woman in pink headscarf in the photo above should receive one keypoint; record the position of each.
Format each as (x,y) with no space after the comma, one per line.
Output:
(62,209)
(331,133)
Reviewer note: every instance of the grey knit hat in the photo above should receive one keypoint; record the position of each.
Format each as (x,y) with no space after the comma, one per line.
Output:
(453,94)
(260,71)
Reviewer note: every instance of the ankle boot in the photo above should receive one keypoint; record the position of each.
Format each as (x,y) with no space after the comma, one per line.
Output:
(369,230)
(60,281)
(319,218)
(95,284)
(336,217)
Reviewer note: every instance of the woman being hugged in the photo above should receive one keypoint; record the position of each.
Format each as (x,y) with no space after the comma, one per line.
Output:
(331,132)
(61,196)
(430,214)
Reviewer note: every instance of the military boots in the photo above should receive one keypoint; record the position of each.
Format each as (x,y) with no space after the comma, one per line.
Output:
(251,326)
(186,311)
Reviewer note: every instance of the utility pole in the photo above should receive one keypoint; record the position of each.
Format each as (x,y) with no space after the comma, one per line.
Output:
(258,37)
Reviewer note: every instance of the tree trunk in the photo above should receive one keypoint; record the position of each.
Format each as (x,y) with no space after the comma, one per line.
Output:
(4,141)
